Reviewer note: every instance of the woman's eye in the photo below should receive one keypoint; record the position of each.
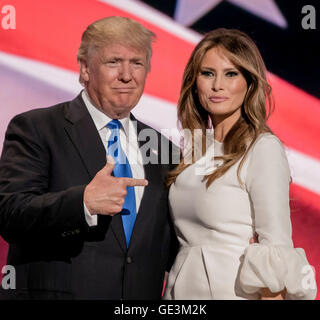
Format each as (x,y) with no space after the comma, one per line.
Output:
(232,74)
(206,73)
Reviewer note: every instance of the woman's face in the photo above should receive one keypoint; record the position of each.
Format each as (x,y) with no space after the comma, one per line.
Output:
(221,87)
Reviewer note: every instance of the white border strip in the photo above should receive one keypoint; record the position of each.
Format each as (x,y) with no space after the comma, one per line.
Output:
(155,112)
(155,17)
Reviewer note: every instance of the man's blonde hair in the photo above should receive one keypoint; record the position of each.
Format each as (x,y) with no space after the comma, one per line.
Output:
(115,30)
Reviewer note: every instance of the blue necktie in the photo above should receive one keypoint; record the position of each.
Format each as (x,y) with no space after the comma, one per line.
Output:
(122,169)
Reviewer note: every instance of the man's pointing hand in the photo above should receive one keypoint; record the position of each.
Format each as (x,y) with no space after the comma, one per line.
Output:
(105,194)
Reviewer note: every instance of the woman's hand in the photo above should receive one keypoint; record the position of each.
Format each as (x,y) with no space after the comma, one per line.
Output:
(254,239)
(266,294)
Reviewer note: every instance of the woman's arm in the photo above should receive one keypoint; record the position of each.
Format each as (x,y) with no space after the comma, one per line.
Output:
(272,267)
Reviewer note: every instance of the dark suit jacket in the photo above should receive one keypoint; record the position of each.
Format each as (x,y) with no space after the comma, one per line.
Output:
(48,158)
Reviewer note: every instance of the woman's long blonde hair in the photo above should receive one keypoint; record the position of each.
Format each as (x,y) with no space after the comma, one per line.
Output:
(240,49)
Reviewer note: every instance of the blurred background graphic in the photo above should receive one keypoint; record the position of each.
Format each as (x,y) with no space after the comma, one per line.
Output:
(38,68)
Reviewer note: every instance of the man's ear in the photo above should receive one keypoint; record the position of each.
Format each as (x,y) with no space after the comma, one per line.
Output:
(84,70)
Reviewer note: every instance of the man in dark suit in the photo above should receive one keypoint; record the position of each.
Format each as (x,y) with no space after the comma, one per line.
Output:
(63,208)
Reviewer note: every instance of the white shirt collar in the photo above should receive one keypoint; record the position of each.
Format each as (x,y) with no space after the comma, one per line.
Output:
(100,119)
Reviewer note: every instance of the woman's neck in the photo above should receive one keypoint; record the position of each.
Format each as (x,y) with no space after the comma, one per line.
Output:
(222,126)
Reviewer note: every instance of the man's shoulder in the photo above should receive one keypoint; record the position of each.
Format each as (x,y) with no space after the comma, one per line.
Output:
(50,113)
(40,112)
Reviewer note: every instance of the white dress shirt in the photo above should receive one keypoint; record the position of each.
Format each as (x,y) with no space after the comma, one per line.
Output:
(129,144)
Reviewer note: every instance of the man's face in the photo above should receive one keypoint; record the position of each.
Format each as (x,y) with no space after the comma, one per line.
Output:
(115,77)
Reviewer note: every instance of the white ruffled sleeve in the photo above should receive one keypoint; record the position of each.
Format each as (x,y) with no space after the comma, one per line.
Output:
(273,262)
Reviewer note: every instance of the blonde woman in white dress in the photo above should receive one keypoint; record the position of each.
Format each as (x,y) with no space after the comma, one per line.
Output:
(247,191)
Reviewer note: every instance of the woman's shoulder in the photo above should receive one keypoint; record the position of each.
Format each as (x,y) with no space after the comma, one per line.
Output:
(268,138)
(267,150)
(267,143)
(267,158)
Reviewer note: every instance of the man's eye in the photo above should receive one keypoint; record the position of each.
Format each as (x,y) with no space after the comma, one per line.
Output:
(231,74)
(111,62)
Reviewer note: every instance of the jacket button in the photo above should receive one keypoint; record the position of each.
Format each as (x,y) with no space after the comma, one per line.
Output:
(129,259)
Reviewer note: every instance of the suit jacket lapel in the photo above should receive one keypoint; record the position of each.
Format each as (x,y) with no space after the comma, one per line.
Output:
(85,136)
(149,170)
(87,141)
(153,175)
